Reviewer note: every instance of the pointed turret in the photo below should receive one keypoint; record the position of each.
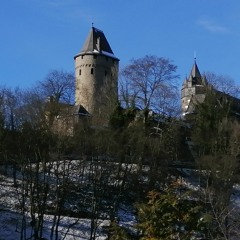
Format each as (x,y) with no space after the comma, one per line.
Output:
(195,75)
(204,80)
(185,82)
(193,90)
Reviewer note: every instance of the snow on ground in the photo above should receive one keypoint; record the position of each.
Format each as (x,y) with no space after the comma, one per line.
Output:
(236,195)
(127,218)
(11,219)
(10,226)
(8,197)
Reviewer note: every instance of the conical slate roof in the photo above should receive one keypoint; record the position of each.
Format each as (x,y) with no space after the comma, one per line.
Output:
(96,43)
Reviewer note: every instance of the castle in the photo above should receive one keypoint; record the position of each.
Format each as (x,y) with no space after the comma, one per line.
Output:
(194,90)
(96,87)
(96,72)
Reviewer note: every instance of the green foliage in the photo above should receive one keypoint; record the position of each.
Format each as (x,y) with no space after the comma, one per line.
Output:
(117,118)
(122,117)
(168,215)
(117,232)
(210,127)
(216,138)
(216,134)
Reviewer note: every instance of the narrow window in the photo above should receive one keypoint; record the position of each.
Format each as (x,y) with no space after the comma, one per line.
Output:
(80,72)
(82,56)
(91,70)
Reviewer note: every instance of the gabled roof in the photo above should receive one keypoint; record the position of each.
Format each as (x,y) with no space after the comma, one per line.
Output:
(80,110)
(96,43)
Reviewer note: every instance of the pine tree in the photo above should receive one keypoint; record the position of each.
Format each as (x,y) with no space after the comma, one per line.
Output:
(170,215)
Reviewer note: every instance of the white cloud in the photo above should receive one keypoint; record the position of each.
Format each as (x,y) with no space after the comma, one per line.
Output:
(211,26)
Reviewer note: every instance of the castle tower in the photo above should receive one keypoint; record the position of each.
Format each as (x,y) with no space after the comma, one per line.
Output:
(96,71)
(193,90)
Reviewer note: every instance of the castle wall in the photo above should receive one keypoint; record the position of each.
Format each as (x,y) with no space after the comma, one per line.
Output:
(195,93)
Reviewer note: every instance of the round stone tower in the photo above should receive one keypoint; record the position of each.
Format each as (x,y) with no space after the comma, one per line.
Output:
(96,71)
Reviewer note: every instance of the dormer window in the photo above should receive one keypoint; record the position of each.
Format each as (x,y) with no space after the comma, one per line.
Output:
(98,44)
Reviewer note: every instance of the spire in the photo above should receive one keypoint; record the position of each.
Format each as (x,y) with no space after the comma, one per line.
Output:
(195,75)
(204,80)
(96,43)
(195,56)
(185,82)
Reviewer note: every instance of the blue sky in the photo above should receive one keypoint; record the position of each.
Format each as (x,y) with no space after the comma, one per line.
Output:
(37,36)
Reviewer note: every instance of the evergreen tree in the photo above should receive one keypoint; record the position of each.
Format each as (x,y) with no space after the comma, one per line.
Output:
(170,215)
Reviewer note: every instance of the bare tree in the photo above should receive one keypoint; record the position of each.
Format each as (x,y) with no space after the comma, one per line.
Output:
(126,96)
(18,106)
(32,109)
(59,85)
(223,83)
(12,99)
(148,79)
